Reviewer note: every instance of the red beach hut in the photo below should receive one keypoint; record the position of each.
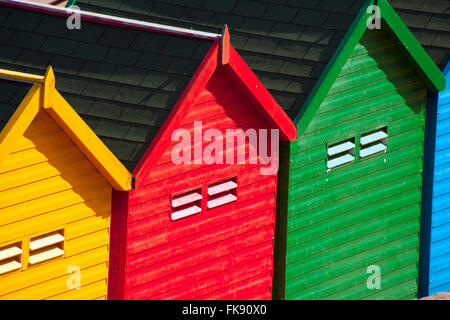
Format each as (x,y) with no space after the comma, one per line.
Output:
(199,222)
(194,228)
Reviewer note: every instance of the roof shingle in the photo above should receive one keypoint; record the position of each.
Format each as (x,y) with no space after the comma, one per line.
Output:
(274,37)
(299,35)
(122,82)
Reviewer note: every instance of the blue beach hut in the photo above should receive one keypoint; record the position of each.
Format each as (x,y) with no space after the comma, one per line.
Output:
(435,242)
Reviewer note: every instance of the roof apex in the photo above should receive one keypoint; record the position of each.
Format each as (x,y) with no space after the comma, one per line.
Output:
(44,96)
(425,65)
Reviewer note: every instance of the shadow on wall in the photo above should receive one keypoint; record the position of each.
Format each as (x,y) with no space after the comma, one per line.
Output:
(71,176)
(398,70)
(240,110)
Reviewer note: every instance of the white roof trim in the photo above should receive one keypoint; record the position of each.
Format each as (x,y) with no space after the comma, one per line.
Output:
(118,21)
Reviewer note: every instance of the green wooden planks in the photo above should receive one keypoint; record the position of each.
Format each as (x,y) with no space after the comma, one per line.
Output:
(367,212)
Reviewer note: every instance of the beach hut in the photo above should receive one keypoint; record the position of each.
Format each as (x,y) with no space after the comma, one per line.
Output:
(200,230)
(435,246)
(355,174)
(55,195)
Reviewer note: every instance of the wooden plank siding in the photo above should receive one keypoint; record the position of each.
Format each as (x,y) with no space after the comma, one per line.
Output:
(439,251)
(47,184)
(220,253)
(366,212)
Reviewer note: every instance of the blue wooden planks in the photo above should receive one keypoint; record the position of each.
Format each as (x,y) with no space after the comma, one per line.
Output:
(439,233)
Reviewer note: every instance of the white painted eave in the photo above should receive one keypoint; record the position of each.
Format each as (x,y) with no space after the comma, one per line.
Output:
(112,20)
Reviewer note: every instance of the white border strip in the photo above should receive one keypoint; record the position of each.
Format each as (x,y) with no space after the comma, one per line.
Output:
(107,19)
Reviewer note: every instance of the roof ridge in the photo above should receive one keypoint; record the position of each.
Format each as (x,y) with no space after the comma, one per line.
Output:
(433,77)
(112,20)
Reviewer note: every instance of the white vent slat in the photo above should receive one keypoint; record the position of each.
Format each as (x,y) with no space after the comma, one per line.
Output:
(10,266)
(10,252)
(46,255)
(221,200)
(376,136)
(185,212)
(372,150)
(222,187)
(191,197)
(340,161)
(339,148)
(47,241)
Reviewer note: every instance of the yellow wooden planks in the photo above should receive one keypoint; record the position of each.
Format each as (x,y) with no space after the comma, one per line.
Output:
(88,292)
(87,225)
(44,272)
(53,202)
(87,242)
(19,121)
(80,212)
(94,149)
(48,288)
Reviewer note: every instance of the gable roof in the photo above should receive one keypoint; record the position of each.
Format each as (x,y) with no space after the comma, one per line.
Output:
(123,82)
(225,55)
(152,69)
(429,21)
(287,43)
(423,63)
(44,96)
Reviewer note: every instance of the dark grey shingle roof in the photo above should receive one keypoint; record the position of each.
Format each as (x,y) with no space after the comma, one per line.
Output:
(11,94)
(287,43)
(429,21)
(123,82)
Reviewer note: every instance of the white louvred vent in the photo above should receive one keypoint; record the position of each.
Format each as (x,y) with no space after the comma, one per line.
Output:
(46,247)
(191,197)
(10,252)
(341,153)
(373,142)
(222,187)
(340,147)
(46,255)
(46,241)
(223,199)
(373,137)
(10,258)
(222,193)
(186,204)
(10,266)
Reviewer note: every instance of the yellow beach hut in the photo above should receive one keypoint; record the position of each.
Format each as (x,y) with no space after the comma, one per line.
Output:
(56,182)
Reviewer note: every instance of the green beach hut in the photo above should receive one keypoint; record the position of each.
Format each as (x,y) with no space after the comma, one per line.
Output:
(351,201)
